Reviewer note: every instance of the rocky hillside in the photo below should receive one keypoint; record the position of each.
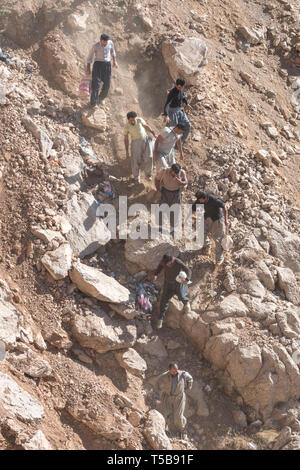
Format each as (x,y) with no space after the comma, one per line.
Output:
(80,361)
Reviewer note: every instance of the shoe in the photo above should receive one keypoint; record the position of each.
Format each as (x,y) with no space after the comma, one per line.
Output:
(159,324)
(183,435)
(187,308)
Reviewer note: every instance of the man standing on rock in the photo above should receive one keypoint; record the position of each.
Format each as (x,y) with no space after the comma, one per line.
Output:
(103,51)
(172,385)
(172,267)
(169,183)
(141,145)
(173,108)
(165,144)
(215,221)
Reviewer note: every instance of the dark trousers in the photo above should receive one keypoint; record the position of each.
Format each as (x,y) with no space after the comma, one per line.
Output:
(101,73)
(170,289)
(169,198)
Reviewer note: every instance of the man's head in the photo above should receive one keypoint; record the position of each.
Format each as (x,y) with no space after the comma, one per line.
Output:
(179,84)
(168,259)
(104,39)
(201,196)
(175,169)
(179,129)
(173,368)
(131,116)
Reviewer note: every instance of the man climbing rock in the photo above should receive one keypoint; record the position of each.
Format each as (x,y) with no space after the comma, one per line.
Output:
(172,267)
(141,145)
(165,144)
(102,51)
(172,385)
(169,184)
(173,108)
(215,221)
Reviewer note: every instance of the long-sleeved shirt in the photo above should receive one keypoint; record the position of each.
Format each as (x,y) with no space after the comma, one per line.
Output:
(212,208)
(174,100)
(174,385)
(102,53)
(172,271)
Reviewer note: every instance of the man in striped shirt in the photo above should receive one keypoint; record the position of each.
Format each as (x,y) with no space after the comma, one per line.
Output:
(102,52)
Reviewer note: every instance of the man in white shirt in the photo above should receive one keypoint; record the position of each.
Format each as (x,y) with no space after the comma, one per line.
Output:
(102,51)
(164,146)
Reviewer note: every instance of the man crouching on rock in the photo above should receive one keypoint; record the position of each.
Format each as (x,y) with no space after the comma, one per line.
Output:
(172,385)
(172,267)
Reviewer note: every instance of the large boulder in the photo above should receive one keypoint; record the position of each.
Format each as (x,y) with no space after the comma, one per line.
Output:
(72,166)
(253,36)
(185,59)
(10,319)
(101,333)
(58,262)
(88,232)
(94,282)
(37,442)
(196,329)
(197,395)
(18,402)
(233,306)
(288,283)
(147,254)
(244,364)
(30,363)
(154,431)
(132,362)
(152,346)
(77,21)
(219,347)
(286,247)
(95,118)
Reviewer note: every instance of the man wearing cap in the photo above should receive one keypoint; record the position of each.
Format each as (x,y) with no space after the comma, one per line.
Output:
(102,52)
(172,268)
(172,386)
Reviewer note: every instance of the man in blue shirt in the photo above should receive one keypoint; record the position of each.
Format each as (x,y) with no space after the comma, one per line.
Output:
(173,111)
(215,221)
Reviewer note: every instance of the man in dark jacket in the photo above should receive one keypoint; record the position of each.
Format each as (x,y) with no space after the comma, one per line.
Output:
(215,221)
(172,267)
(173,108)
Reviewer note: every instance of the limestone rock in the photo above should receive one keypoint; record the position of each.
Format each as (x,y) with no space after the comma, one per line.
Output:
(77,21)
(88,232)
(44,140)
(244,364)
(30,363)
(255,288)
(286,247)
(125,310)
(101,333)
(154,431)
(152,346)
(58,262)
(218,347)
(288,283)
(72,166)
(147,254)
(95,283)
(95,118)
(18,402)
(132,362)
(185,59)
(233,306)
(265,275)
(196,329)
(10,323)
(37,442)
(253,36)
(240,418)
(47,235)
